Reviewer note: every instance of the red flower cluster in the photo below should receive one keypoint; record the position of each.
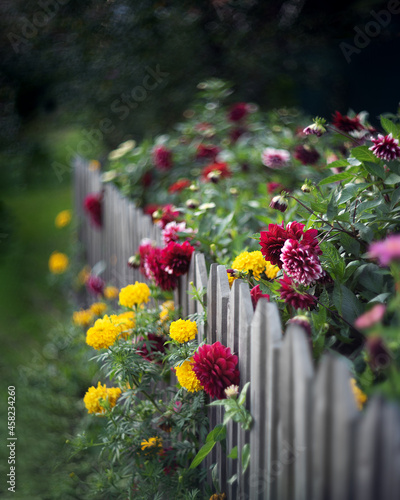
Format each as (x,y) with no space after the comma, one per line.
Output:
(216,369)
(208,151)
(345,123)
(175,257)
(165,214)
(95,285)
(272,241)
(306,154)
(238,111)
(154,269)
(296,298)
(222,168)
(162,158)
(179,186)
(93,206)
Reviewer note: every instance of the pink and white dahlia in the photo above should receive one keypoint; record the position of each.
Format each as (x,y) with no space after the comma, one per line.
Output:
(172,229)
(216,369)
(275,158)
(294,296)
(386,147)
(386,251)
(300,262)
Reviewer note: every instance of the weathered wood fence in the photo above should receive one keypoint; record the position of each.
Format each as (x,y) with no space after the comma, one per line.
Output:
(308,441)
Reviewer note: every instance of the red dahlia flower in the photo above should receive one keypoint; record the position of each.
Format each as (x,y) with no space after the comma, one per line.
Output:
(144,249)
(92,205)
(294,297)
(236,133)
(176,257)
(386,147)
(162,158)
(165,215)
(151,348)
(95,285)
(306,155)
(216,369)
(179,186)
(238,111)
(300,262)
(256,294)
(345,123)
(222,168)
(272,241)
(155,269)
(208,151)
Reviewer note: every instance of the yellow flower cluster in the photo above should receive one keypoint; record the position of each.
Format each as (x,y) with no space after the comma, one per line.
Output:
(96,395)
(111,292)
(134,294)
(359,396)
(63,218)
(151,444)
(183,330)
(82,318)
(58,262)
(254,262)
(166,308)
(98,308)
(103,333)
(124,322)
(186,376)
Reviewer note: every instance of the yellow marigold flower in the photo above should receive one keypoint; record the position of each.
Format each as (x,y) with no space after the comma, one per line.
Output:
(58,262)
(94,165)
(63,218)
(151,444)
(231,279)
(96,395)
(166,308)
(183,330)
(103,333)
(111,292)
(98,308)
(254,262)
(134,294)
(186,376)
(216,496)
(359,396)
(83,275)
(82,318)
(124,322)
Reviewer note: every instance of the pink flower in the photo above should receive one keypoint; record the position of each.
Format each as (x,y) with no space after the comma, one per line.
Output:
(386,250)
(370,317)
(256,295)
(275,158)
(385,147)
(93,206)
(172,229)
(238,111)
(216,369)
(144,249)
(300,262)
(177,406)
(176,258)
(293,296)
(345,123)
(162,157)
(95,285)
(306,155)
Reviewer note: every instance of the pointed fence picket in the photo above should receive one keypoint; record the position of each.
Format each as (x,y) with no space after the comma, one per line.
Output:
(308,440)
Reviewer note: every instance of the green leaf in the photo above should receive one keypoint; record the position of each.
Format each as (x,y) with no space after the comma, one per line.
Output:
(332,209)
(395,198)
(234,453)
(362,153)
(242,398)
(392,179)
(375,169)
(217,434)
(232,479)
(346,303)
(351,245)
(389,127)
(348,192)
(201,455)
(335,178)
(338,164)
(245,457)
(370,276)
(366,232)
(318,206)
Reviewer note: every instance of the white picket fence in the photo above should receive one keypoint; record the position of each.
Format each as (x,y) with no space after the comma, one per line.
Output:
(308,440)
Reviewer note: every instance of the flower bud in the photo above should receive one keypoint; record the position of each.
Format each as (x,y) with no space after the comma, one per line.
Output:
(134,261)
(279,203)
(233,191)
(306,187)
(192,203)
(317,128)
(232,392)
(303,322)
(214,176)
(193,188)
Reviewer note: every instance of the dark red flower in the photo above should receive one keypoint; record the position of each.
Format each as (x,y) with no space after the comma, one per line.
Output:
(162,158)
(272,241)
(386,147)
(144,249)
(179,186)
(95,285)
(216,369)
(256,294)
(306,154)
(166,214)
(379,357)
(208,151)
(176,257)
(279,203)
(93,206)
(147,179)
(152,348)
(151,208)
(272,187)
(221,168)
(345,123)
(293,296)
(238,111)
(300,262)
(236,133)
(155,269)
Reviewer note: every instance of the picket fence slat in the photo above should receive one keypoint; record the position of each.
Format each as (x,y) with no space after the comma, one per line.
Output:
(308,440)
